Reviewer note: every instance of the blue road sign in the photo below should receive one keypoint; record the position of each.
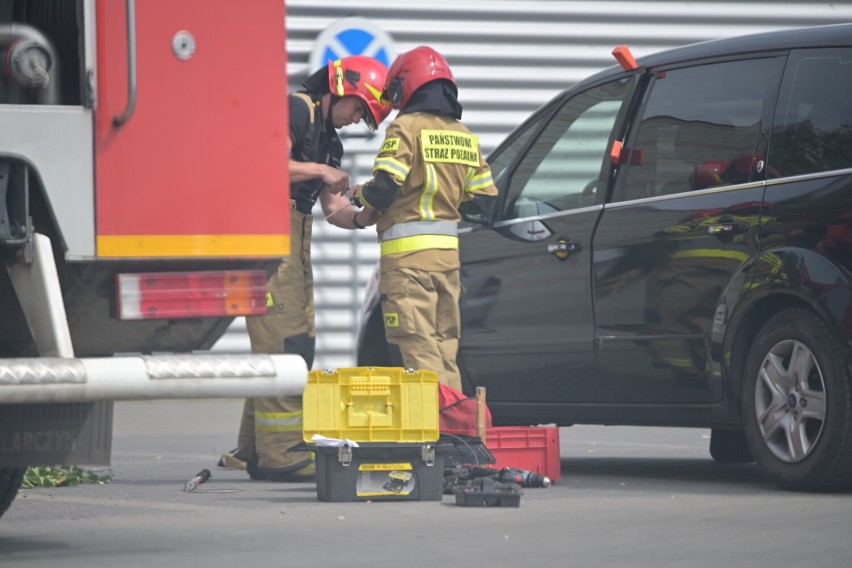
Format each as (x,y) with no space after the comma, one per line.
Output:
(351,36)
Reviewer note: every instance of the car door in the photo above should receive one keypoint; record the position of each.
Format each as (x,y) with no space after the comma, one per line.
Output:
(681,228)
(527,321)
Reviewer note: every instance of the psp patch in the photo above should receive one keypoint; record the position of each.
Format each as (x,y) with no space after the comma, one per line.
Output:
(392,320)
(389,146)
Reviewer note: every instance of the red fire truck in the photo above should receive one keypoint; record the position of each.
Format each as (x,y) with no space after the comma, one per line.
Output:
(143,196)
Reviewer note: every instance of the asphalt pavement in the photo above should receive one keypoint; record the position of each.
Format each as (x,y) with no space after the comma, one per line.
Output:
(631,497)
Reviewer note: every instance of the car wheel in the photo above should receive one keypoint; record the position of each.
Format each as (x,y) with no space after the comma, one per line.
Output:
(11,479)
(797,404)
(372,345)
(729,446)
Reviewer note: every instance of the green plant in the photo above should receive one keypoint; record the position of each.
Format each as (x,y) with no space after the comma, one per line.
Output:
(61,476)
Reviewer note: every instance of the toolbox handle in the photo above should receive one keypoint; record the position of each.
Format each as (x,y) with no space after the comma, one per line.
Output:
(344,455)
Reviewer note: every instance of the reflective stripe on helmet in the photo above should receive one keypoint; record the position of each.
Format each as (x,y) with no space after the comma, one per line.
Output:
(338,78)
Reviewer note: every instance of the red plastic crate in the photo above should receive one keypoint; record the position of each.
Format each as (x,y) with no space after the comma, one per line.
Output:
(534,448)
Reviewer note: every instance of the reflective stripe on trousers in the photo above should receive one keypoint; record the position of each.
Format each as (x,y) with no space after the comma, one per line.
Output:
(278,421)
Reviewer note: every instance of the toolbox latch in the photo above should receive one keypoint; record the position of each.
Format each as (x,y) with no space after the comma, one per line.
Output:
(344,455)
(427,454)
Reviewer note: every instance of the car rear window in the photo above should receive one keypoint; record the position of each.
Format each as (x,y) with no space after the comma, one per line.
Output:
(699,128)
(813,125)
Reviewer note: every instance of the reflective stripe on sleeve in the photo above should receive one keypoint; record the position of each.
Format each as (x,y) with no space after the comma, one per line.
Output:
(391,166)
(481,181)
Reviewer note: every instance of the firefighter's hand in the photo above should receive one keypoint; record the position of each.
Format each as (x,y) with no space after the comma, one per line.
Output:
(337,181)
(354,195)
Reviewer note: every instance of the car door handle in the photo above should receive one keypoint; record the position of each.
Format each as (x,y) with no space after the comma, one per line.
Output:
(727,228)
(563,248)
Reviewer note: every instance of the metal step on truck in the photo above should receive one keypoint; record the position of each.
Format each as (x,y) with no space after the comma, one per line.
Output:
(144,193)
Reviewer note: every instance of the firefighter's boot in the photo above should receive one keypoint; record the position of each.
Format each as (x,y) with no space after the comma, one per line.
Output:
(245,452)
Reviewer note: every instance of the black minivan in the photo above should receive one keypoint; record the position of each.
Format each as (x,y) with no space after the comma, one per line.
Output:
(673,247)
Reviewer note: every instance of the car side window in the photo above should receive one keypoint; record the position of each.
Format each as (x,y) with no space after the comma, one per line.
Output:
(501,160)
(562,168)
(699,128)
(812,131)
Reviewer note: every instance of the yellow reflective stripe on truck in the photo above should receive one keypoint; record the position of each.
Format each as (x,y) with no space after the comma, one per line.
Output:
(177,246)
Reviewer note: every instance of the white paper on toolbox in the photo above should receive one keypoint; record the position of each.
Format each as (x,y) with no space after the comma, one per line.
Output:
(321,440)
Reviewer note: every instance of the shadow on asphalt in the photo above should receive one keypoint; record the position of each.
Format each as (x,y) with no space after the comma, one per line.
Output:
(681,475)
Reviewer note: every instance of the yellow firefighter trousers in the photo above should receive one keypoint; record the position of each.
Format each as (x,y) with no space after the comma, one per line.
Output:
(421,309)
(270,426)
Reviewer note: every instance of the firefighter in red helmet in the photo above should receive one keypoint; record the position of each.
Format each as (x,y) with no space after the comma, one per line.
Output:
(412,70)
(427,166)
(344,92)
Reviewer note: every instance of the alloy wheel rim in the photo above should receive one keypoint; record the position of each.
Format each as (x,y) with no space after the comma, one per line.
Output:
(790,401)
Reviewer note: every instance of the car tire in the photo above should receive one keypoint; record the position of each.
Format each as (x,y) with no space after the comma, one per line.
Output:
(799,429)
(729,446)
(11,479)
(372,345)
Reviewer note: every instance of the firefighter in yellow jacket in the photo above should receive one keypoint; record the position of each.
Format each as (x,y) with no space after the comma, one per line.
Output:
(428,164)
(344,92)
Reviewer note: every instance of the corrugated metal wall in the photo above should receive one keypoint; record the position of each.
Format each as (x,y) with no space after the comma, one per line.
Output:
(508,57)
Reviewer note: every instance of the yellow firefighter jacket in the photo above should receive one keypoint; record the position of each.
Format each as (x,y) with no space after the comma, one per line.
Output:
(438,163)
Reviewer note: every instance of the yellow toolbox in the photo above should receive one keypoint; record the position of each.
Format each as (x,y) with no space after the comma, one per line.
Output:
(372,404)
(380,472)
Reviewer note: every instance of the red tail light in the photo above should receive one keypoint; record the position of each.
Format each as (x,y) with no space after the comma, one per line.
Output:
(158,295)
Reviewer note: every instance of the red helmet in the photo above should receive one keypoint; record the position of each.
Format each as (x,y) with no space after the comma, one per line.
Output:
(363,77)
(413,69)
